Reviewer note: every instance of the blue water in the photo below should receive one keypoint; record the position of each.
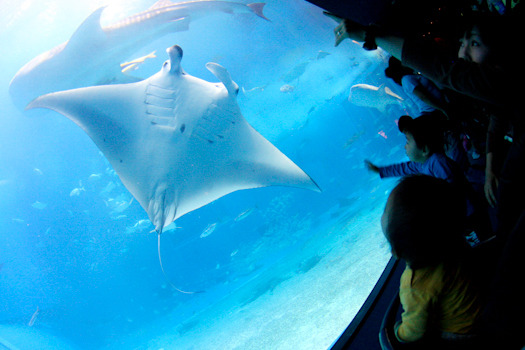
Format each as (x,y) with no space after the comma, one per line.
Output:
(280,266)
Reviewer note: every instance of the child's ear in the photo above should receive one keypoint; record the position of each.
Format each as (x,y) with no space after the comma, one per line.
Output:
(426,151)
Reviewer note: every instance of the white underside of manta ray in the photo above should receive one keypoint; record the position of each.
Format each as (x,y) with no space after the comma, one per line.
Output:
(177,142)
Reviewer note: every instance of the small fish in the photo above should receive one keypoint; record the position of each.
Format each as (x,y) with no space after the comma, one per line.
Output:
(322,54)
(94,177)
(170,227)
(123,216)
(257,88)
(244,214)
(139,226)
(118,206)
(106,190)
(134,64)
(353,139)
(208,230)
(287,88)
(33,318)
(77,191)
(39,205)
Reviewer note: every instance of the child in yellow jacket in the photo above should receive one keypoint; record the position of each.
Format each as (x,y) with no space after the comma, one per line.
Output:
(423,222)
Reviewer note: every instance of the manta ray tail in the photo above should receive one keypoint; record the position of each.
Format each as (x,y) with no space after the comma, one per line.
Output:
(166,276)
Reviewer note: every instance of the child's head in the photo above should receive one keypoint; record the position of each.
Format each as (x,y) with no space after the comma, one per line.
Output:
(424,135)
(424,221)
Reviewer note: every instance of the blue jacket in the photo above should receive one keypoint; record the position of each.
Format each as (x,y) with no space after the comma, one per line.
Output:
(437,165)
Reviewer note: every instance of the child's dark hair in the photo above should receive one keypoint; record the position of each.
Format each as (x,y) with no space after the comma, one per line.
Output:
(427,130)
(426,221)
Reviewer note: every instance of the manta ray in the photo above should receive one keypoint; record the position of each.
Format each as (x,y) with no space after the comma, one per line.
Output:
(177,142)
(93,54)
(381,97)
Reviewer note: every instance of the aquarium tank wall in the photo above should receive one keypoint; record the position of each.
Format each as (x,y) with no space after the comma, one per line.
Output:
(271,267)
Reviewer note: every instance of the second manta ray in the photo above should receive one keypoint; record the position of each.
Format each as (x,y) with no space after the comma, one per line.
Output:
(177,142)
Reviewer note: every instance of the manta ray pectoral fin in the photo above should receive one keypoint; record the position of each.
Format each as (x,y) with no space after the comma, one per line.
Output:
(224,76)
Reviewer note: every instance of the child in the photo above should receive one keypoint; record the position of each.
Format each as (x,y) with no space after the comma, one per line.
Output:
(423,222)
(424,148)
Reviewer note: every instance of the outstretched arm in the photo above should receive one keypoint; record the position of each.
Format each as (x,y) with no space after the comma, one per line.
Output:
(355,31)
